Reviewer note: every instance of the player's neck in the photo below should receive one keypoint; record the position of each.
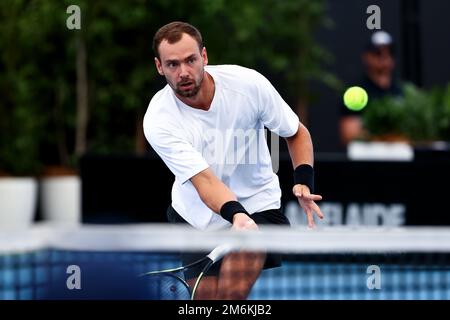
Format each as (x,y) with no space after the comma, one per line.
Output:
(203,99)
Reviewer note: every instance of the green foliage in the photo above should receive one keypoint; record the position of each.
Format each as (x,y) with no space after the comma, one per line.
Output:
(22,84)
(443,112)
(420,115)
(276,36)
(19,140)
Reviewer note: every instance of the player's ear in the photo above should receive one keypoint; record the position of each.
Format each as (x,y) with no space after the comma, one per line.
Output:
(158,66)
(204,56)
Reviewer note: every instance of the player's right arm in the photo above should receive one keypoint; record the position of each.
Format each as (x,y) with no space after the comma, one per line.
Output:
(188,164)
(214,193)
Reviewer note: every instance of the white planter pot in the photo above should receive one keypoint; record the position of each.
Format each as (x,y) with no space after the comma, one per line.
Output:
(17,202)
(61,199)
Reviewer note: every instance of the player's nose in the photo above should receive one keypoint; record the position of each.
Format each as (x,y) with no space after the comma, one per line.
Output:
(183,71)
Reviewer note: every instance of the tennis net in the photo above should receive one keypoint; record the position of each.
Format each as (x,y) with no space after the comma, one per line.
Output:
(108,262)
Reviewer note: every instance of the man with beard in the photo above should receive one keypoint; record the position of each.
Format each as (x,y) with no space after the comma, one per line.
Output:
(206,125)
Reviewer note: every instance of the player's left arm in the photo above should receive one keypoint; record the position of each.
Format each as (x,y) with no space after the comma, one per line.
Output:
(302,155)
(276,115)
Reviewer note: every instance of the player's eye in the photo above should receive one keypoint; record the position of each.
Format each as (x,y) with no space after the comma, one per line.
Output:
(191,60)
(172,64)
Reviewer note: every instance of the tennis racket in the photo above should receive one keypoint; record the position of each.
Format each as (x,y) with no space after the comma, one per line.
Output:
(169,284)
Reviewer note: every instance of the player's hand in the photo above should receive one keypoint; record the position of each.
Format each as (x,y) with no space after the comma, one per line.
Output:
(241,221)
(306,200)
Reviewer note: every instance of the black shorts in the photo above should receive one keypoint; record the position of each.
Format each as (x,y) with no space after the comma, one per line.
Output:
(273,216)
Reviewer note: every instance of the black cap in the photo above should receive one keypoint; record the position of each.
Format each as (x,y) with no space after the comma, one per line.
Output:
(379,39)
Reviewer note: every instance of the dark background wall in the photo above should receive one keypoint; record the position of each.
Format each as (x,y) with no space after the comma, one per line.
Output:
(132,189)
(435,40)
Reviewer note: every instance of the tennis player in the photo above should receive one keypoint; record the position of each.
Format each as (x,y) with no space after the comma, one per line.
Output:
(206,124)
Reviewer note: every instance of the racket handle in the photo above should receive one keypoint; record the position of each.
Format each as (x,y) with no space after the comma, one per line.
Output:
(219,252)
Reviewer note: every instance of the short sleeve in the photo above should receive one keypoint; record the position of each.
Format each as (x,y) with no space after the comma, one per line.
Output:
(177,153)
(274,112)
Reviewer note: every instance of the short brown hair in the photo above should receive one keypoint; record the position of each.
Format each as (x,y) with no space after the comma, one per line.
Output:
(173,32)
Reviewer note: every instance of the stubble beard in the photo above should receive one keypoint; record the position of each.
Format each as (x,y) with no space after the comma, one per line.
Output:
(190,92)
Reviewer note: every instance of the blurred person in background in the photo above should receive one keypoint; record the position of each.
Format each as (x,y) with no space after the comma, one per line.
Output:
(378,81)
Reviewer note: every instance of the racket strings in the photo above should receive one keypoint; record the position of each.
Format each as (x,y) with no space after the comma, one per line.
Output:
(169,286)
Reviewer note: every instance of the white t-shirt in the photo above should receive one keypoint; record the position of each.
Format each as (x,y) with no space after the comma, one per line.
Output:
(228,138)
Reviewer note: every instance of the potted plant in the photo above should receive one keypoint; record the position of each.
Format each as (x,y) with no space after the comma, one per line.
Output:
(420,116)
(37,108)
(65,140)
(20,118)
(19,159)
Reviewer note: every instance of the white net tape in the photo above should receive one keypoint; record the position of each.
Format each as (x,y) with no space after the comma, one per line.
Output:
(165,237)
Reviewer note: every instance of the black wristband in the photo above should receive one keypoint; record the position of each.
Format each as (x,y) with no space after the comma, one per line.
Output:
(304,174)
(230,208)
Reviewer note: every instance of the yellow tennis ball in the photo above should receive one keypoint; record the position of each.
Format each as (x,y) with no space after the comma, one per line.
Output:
(355,98)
